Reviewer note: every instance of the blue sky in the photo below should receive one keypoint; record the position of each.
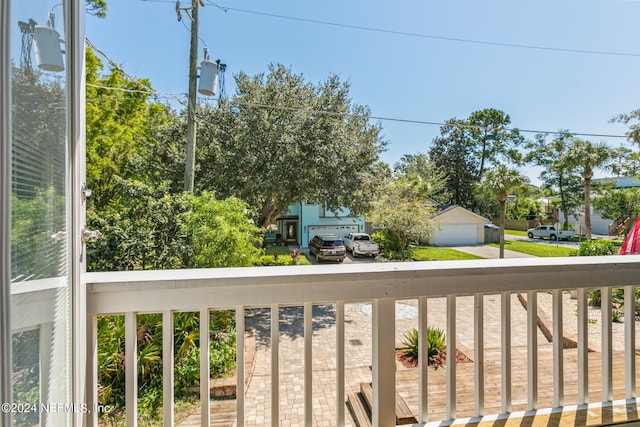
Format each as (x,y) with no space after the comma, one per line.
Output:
(401,76)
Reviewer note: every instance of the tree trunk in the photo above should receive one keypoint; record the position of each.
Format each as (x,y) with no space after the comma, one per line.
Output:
(587,205)
(503,209)
(268,213)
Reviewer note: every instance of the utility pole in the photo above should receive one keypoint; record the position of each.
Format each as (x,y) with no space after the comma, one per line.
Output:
(190,162)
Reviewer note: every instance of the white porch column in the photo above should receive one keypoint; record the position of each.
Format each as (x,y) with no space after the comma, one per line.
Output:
(384,363)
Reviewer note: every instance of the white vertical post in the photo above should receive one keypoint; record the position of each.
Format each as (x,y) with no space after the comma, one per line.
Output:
(478,334)
(423,360)
(558,350)
(630,342)
(451,357)
(583,347)
(340,421)
(506,351)
(131,368)
(91,392)
(46,344)
(167,368)
(607,344)
(308,364)
(275,365)
(383,412)
(205,398)
(240,368)
(532,345)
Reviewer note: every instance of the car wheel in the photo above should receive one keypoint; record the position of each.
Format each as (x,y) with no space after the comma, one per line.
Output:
(530,235)
(553,237)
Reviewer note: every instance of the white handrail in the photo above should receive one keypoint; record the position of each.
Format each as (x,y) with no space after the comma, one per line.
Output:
(200,291)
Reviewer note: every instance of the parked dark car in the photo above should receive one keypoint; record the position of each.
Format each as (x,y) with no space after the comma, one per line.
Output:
(327,248)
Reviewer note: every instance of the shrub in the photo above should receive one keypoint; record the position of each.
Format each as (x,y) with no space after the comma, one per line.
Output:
(615,316)
(436,343)
(597,247)
(270,260)
(595,298)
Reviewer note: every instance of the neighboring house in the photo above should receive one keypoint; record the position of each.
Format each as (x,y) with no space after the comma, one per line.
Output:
(600,225)
(305,220)
(457,226)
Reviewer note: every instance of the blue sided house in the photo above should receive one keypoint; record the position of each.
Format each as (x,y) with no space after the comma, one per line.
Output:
(304,220)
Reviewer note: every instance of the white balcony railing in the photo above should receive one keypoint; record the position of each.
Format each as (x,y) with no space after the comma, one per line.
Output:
(382,284)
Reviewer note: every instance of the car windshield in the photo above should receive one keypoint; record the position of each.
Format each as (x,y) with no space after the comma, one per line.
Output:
(362,238)
(332,243)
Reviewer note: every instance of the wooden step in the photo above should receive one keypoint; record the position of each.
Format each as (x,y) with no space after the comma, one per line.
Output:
(360,412)
(403,413)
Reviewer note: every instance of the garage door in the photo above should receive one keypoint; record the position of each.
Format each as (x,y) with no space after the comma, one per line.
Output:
(338,230)
(456,235)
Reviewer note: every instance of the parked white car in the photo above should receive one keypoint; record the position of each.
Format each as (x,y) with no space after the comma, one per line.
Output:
(361,244)
(549,232)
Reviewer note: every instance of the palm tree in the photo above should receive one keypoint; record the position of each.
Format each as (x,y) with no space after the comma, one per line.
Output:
(499,182)
(586,156)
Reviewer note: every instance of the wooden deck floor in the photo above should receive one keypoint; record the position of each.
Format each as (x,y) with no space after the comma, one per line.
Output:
(223,412)
(570,416)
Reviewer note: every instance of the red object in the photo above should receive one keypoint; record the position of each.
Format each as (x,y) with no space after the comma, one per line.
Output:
(631,245)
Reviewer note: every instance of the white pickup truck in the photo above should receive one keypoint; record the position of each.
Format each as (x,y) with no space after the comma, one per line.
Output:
(361,244)
(549,232)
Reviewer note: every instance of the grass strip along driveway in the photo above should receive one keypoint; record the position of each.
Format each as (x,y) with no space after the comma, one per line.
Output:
(536,249)
(428,253)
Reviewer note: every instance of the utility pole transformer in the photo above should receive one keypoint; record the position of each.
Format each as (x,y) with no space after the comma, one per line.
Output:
(190,162)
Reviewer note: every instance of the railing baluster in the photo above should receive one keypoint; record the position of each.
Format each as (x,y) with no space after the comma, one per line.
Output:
(91,418)
(308,364)
(205,398)
(275,365)
(240,378)
(423,360)
(558,350)
(532,346)
(630,342)
(167,368)
(384,363)
(46,392)
(583,348)
(478,339)
(505,302)
(131,368)
(451,357)
(607,343)
(340,395)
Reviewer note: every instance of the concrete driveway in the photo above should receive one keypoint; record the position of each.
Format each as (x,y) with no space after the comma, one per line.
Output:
(349,259)
(490,252)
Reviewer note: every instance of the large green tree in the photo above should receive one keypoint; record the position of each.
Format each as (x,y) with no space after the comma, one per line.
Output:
(586,157)
(423,175)
(495,142)
(467,148)
(453,152)
(282,139)
(558,174)
(122,122)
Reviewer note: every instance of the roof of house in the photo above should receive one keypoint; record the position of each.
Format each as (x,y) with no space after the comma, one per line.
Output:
(455,207)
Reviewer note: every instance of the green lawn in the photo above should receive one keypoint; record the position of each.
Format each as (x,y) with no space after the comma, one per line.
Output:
(536,249)
(428,253)
(280,250)
(515,232)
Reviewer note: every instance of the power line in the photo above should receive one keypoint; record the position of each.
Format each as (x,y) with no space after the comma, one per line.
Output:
(412,34)
(426,36)
(179,96)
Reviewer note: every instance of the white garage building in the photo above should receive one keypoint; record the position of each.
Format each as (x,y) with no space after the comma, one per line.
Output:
(457,226)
